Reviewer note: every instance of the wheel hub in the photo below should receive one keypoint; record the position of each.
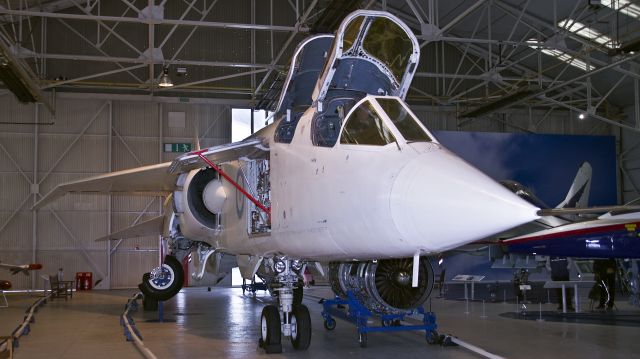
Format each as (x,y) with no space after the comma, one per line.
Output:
(161,276)
(294,328)
(263,327)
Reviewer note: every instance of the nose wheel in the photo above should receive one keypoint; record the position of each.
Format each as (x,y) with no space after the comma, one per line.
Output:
(300,327)
(290,318)
(270,330)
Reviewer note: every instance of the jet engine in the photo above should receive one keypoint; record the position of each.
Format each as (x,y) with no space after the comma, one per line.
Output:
(198,201)
(383,286)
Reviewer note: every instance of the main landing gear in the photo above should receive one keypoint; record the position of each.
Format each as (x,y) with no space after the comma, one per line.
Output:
(290,318)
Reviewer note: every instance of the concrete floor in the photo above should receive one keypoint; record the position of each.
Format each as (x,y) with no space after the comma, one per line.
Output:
(224,323)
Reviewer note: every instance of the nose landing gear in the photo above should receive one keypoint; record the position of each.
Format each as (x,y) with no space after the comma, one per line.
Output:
(290,318)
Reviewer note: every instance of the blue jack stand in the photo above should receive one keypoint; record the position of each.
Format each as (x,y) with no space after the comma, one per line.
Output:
(161,318)
(359,315)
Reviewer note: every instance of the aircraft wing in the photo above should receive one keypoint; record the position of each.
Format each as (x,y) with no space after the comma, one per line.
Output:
(251,148)
(151,180)
(150,227)
(612,236)
(156,180)
(588,210)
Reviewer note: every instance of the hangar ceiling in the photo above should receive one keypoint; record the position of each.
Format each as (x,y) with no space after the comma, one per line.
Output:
(478,57)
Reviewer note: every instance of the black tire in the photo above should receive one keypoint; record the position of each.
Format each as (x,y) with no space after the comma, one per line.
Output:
(164,289)
(298,294)
(362,339)
(300,327)
(433,337)
(330,324)
(270,335)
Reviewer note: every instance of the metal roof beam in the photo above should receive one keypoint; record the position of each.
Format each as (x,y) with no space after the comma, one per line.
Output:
(135,20)
(509,9)
(52,6)
(131,60)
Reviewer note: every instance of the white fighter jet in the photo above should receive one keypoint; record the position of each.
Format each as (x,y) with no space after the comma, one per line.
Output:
(346,174)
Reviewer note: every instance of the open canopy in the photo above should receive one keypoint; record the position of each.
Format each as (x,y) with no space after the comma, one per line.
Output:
(373,53)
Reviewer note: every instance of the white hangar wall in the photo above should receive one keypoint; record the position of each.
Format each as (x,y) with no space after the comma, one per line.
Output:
(90,136)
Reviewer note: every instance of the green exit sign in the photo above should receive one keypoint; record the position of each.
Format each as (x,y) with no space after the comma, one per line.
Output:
(177,147)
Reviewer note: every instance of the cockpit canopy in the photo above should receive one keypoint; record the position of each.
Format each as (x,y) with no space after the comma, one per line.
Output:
(373,53)
(295,98)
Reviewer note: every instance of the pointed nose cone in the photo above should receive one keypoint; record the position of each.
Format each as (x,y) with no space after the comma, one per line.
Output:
(439,202)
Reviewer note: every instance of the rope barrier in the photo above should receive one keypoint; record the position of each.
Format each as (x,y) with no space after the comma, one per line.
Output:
(25,327)
(130,331)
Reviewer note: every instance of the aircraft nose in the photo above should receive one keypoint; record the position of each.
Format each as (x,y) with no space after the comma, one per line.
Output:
(438,198)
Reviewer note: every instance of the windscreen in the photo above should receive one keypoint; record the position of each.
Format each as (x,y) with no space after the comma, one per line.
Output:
(403,120)
(365,127)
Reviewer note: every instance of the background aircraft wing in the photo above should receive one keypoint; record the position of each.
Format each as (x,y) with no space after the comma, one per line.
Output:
(149,227)
(251,148)
(151,180)
(588,210)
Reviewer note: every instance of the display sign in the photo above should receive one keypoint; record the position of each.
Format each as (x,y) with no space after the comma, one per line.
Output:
(177,147)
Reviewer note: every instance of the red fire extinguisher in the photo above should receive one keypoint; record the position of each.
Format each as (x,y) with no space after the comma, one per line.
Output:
(87,284)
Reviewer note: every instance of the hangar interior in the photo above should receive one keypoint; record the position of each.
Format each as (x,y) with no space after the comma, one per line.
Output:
(82,95)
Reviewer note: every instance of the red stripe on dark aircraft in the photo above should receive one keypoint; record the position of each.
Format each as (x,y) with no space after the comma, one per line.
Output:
(575,232)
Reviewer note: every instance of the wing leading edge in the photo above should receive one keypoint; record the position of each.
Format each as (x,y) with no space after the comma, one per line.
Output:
(159,179)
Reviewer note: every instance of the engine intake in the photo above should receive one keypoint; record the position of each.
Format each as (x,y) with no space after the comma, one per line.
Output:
(198,201)
(383,286)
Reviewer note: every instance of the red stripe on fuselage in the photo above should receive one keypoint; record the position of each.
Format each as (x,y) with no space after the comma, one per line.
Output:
(575,232)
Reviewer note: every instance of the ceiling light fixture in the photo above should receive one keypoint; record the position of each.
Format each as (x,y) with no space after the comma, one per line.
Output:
(165,80)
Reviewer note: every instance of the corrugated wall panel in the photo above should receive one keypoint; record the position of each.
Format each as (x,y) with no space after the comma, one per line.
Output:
(87,155)
(17,189)
(127,267)
(14,111)
(19,151)
(72,116)
(84,226)
(17,232)
(136,118)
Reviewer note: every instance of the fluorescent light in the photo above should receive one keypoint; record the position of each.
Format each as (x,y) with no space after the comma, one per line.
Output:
(560,55)
(625,6)
(587,32)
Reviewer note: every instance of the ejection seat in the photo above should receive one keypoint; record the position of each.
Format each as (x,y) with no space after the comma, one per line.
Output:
(327,124)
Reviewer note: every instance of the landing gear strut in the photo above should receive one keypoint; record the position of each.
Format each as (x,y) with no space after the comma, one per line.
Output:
(290,318)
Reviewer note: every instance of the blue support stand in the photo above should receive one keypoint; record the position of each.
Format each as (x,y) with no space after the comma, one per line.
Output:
(161,318)
(161,311)
(359,315)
